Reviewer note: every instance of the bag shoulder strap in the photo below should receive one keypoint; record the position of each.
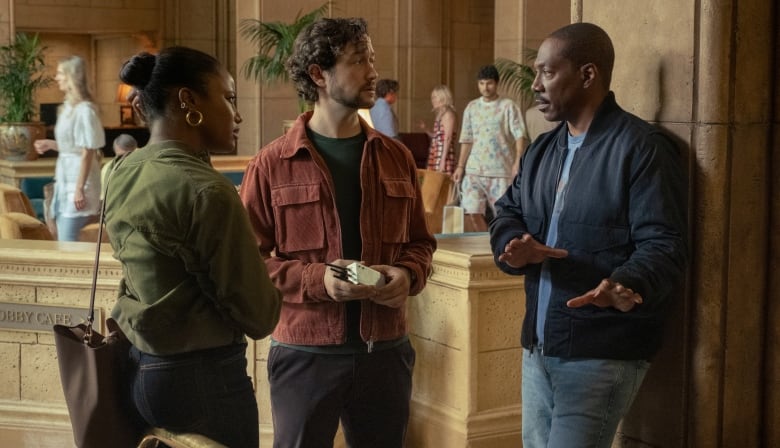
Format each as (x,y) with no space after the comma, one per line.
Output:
(102,220)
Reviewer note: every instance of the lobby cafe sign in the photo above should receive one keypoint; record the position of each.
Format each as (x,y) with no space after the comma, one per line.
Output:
(36,317)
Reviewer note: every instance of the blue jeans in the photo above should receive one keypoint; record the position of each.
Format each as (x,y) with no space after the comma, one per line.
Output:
(576,402)
(68,228)
(368,392)
(206,392)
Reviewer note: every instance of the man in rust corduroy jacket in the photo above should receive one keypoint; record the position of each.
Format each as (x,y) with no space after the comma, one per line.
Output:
(334,191)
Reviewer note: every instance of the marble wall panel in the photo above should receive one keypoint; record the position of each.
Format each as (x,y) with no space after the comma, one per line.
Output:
(441,375)
(17,293)
(653,59)
(772,340)
(505,441)
(40,382)
(263,394)
(500,316)
(745,301)
(752,75)
(426,21)
(707,278)
(10,386)
(437,315)
(92,17)
(498,378)
(425,430)
(18,337)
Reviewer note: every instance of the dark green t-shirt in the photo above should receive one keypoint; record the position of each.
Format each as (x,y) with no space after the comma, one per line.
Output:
(343,156)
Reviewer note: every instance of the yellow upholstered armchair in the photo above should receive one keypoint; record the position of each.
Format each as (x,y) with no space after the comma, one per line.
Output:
(13,199)
(17,217)
(21,226)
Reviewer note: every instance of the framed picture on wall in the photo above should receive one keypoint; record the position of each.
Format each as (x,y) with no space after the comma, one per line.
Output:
(126,115)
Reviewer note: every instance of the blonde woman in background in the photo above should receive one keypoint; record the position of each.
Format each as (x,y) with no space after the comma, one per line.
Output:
(441,155)
(78,136)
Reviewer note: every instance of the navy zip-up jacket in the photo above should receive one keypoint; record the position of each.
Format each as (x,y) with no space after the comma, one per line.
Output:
(625,219)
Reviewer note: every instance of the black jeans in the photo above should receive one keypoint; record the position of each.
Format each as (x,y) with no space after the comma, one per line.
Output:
(206,392)
(368,392)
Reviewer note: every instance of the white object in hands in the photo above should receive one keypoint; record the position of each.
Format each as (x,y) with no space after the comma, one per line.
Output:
(361,274)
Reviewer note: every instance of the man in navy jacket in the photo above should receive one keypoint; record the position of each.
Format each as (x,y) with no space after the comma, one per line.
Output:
(596,221)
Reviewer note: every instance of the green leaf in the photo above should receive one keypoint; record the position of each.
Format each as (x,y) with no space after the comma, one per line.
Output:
(22,72)
(516,80)
(274,41)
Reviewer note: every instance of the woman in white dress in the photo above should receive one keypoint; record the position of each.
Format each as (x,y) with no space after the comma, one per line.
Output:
(79,135)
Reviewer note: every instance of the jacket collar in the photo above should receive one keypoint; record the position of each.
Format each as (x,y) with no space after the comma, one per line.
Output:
(168,147)
(600,126)
(299,141)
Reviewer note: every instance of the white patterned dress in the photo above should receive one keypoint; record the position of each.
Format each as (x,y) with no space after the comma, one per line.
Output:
(78,127)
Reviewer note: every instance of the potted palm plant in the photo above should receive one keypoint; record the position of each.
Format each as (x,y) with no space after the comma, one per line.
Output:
(274,42)
(22,72)
(517,80)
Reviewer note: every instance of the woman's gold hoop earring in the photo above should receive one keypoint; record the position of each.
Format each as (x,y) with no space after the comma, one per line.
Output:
(189,117)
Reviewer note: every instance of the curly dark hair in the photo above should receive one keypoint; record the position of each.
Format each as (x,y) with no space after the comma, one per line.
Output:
(322,43)
(488,72)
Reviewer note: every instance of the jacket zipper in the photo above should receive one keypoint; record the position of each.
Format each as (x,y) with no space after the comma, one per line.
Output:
(329,182)
(370,341)
(555,194)
(369,156)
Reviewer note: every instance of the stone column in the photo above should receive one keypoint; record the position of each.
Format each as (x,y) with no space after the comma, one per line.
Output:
(700,70)
(772,341)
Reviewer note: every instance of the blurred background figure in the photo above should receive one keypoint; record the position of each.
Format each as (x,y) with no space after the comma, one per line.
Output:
(441,155)
(382,115)
(78,136)
(123,144)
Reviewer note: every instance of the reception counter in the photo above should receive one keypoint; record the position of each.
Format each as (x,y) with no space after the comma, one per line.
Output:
(13,171)
(464,327)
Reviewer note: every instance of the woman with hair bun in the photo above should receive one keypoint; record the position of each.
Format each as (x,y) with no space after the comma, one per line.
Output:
(193,281)
(78,137)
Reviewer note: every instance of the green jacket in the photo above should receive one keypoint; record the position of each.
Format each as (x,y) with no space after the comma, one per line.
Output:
(192,275)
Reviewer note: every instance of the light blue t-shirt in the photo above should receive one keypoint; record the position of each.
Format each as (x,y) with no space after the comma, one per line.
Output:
(383,118)
(545,282)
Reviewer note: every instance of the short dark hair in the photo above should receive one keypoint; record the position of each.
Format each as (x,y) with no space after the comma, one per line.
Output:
(488,72)
(587,43)
(322,43)
(153,76)
(385,86)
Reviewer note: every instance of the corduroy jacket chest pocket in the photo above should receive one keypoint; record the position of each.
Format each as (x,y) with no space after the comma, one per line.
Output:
(397,210)
(298,206)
